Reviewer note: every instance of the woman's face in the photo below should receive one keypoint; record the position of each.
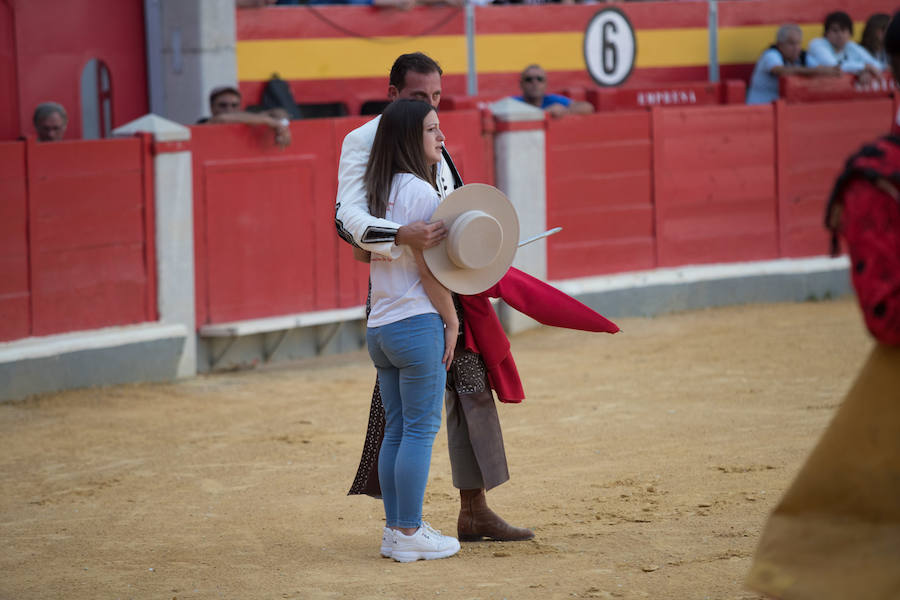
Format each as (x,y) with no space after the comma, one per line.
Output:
(432,138)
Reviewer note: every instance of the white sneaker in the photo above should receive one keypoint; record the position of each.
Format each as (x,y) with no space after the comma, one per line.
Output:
(387,542)
(425,543)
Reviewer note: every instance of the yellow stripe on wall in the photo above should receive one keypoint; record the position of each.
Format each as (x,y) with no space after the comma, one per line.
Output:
(739,45)
(340,58)
(330,58)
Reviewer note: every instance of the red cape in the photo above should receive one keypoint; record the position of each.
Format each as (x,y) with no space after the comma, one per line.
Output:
(530,296)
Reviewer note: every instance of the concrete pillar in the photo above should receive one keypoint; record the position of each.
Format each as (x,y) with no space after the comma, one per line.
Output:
(191,50)
(520,167)
(173,187)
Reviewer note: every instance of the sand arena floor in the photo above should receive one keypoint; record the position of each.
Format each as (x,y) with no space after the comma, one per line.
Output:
(646,462)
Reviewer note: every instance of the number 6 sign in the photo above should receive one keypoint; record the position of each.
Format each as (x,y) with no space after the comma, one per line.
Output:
(609,47)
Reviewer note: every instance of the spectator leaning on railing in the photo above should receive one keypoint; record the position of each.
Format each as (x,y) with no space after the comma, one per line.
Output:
(873,38)
(225,106)
(534,87)
(838,48)
(784,57)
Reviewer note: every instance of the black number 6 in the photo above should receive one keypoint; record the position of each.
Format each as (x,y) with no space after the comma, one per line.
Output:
(609,54)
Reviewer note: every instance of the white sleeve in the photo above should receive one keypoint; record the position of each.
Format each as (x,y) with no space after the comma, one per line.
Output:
(771,59)
(820,54)
(352,219)
(857,58)
(416,200)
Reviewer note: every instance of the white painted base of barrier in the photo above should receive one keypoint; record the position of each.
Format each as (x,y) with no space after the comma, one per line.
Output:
(701,273)
(280,323)
(649,293)
(144,352)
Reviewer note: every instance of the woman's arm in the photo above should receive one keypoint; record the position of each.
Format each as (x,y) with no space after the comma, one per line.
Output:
(443,302)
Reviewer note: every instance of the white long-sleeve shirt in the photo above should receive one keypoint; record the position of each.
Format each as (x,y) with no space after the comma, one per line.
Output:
(397,290)
(852,58)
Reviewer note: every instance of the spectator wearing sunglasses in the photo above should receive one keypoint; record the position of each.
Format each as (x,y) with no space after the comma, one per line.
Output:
(225,106)
(534,87)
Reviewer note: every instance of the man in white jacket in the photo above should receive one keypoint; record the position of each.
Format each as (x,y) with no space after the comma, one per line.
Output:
(477,455)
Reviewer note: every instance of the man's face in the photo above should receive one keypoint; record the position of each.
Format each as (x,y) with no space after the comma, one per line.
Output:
(790,47)
(533,83)
(52,128)
(837,36)
(226,102)
(419,86)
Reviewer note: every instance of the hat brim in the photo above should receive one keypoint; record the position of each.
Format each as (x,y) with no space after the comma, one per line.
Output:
(474,196)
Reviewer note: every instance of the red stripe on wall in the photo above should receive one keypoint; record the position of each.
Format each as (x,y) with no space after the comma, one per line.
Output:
(775,12)
(575,17)
(320,21)
(355,92)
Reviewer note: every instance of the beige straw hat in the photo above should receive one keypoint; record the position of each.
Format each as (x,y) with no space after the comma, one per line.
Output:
(483,235)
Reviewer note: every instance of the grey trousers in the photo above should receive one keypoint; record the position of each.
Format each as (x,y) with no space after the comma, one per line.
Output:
(474,437)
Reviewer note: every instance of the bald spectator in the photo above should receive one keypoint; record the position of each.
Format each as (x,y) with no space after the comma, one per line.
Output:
(225,106)
(784,57)
(50,121)
(534,87)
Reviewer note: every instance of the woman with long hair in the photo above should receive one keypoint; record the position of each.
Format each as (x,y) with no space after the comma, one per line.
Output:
(412,328)
(873,37)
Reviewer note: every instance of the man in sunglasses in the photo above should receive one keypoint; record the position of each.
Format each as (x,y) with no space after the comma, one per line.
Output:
(534,87)
(225,106)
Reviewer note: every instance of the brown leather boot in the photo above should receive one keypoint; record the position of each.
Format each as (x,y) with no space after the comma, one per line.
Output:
(477,521)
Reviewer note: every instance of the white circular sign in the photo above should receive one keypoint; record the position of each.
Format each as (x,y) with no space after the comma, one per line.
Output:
(609,47)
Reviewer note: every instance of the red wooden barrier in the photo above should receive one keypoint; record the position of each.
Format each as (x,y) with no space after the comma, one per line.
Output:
(91,258)
(714,184)
(15,313)
(669,94)
(833,89)
(599,190)
(463,102)
(814,141)
(259,232)
(264,216)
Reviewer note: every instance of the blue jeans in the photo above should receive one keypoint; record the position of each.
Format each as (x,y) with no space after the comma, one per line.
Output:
(407,354)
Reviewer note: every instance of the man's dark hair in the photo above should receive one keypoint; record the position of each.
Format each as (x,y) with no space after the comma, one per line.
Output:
(417,62)
(224,89)
(841,19)
(892,36)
